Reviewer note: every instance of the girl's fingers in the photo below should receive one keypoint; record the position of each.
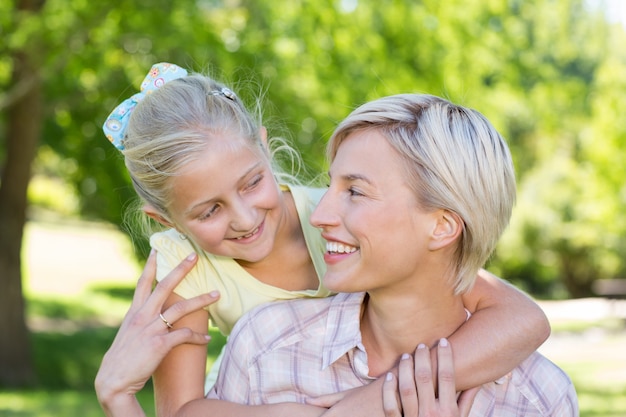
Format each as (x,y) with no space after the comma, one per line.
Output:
(391,401)
(185,335)
(445,373)
(327,400)
(182,308)
(424,380)
(406,385)
(144,284)
(165,287)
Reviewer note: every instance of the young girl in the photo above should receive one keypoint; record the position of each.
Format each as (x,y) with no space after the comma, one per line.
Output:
(202,165)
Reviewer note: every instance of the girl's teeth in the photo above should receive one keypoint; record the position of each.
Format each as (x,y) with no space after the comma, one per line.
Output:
(249,234)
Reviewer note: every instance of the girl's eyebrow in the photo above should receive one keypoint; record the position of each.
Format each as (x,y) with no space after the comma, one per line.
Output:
(252,168)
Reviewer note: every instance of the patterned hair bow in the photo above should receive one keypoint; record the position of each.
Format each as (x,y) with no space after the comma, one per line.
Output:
(116,123)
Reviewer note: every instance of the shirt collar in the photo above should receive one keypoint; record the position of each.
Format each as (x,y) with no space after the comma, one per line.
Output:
(343,330)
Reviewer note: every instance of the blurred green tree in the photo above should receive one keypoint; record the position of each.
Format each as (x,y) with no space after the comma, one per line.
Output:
(548,73)
(24,104)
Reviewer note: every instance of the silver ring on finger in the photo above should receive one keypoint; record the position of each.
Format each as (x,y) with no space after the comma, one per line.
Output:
(167,323)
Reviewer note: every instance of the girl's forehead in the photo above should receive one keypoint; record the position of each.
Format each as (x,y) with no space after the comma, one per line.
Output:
(225,141)
(223,153)
(214,173)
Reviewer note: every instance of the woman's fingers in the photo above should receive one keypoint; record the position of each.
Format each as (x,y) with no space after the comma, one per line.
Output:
(391,400)
(406,385)
(424,380)
(415,381)
(448,401)
(445,373)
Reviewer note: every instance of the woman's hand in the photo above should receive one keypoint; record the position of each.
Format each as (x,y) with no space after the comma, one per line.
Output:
(144,338)
(416,382)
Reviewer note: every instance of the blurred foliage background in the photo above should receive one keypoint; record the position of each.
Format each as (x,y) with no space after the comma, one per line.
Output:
(550,74)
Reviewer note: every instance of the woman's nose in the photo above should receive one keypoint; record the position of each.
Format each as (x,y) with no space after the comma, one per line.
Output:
(324,214)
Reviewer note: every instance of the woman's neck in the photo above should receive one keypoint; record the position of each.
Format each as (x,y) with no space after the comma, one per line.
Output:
(394,324)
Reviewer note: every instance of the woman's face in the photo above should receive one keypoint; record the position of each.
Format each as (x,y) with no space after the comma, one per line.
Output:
(228,202)
(376,233)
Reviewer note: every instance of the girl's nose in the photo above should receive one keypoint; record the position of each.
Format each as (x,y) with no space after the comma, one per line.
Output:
(243,217)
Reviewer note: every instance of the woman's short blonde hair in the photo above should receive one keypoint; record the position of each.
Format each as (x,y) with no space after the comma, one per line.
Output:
(454,159)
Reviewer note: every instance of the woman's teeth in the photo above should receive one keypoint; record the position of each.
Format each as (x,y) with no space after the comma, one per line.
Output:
(334,247)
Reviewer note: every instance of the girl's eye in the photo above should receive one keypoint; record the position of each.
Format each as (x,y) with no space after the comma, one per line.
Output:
(208,213)
(255,181)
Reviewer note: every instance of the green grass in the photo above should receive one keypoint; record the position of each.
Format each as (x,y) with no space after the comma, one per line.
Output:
(598,394)
(67,361)
(610,324)
(596,397)
(52,403)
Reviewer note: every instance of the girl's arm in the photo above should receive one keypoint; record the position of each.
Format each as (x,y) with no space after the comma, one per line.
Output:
(180,377)
(505,328)
(210,407)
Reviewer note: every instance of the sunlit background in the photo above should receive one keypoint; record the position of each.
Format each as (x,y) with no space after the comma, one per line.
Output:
(550,74)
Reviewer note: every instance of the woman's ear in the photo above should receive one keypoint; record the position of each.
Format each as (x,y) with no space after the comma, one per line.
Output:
(263,133)
(448,228)
(156,215)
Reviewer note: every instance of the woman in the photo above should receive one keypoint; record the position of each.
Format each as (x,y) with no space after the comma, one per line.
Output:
(420,192)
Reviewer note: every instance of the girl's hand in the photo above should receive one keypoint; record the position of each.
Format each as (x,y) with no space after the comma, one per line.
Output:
(416,382)
(361,401)
(144,337)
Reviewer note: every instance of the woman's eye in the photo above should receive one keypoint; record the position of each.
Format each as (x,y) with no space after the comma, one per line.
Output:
(354,192)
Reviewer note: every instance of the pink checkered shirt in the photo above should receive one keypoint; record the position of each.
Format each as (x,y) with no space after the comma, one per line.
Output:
(292,350)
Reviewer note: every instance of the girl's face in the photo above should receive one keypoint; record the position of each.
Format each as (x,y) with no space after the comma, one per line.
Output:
(376,233)
(228,202)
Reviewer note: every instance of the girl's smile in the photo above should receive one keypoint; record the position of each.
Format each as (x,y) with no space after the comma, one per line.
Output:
(250,237)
